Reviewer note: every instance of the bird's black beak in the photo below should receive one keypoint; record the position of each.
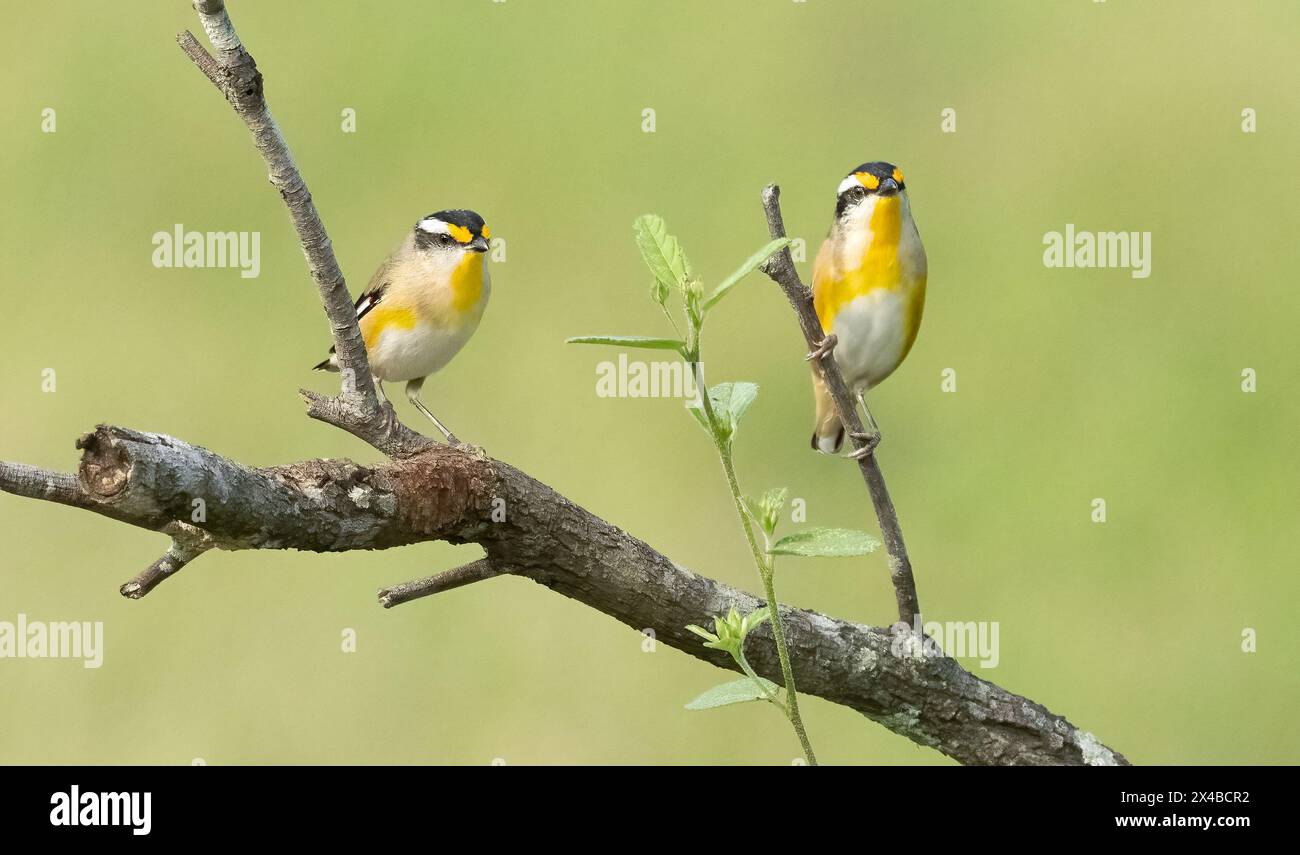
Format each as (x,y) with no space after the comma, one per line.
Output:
(888,187)
(479,244)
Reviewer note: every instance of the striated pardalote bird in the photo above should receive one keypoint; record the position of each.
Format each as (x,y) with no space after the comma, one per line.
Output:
(869,292)
(424,302)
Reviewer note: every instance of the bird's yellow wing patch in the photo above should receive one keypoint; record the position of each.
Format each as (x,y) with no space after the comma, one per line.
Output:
(382,318)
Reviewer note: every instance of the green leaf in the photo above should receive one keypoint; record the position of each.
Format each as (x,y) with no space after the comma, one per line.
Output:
(751,264)
(629,341)
(736,398)
(753,620)
(702,632)
(661,252)
(736,692)
(730,401)
(825,542)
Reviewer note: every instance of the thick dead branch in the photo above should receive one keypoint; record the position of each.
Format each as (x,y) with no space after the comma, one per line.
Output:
(447,494)
(315,505)
(780,268)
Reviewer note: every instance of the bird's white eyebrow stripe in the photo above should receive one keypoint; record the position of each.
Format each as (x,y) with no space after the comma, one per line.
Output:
(851,181)
(433,226)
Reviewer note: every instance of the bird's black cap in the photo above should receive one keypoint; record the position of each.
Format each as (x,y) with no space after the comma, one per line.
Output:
(881,170)
(462,217)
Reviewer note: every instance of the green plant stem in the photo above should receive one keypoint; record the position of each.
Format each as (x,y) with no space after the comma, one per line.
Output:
(792,697)
(765,573)
(778,630)
(749,672)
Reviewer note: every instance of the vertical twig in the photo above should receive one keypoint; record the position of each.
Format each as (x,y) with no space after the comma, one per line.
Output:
(780,268)
(235,74)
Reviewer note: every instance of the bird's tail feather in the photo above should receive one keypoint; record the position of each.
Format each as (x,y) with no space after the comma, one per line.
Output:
(329,364)
(828,443)
(828,433)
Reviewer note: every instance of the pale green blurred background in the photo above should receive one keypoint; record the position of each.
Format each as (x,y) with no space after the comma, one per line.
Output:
(1072,384)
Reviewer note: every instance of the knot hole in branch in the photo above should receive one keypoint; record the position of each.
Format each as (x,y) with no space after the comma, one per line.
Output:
(105,467)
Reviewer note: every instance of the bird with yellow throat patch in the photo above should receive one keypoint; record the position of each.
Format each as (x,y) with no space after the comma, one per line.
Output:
(424,302)
(868,290)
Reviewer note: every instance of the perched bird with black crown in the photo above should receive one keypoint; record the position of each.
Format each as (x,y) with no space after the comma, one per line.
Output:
(869,291)
(424,302)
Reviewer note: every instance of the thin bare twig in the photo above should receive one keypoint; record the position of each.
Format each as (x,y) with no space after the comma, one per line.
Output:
(200,56)
(780,268)
(35,483)
(466,574)
(234,73)
(171,561)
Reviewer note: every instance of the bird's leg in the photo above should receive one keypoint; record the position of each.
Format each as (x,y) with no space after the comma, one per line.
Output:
(871,436)
(379,388)
(413,395)
(823,348)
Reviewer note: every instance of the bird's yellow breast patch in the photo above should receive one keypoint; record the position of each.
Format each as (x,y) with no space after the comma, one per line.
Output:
(880,267)
(382,318)
(467,282)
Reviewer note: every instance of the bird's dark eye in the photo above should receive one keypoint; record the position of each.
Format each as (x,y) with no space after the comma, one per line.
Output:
(858,193)
(445,240)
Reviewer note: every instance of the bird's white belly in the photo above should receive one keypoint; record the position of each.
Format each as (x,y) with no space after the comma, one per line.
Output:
(408,354)
(871,333)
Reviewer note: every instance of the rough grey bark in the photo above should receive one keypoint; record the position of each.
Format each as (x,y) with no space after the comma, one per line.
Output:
(448,493)
(430,491)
